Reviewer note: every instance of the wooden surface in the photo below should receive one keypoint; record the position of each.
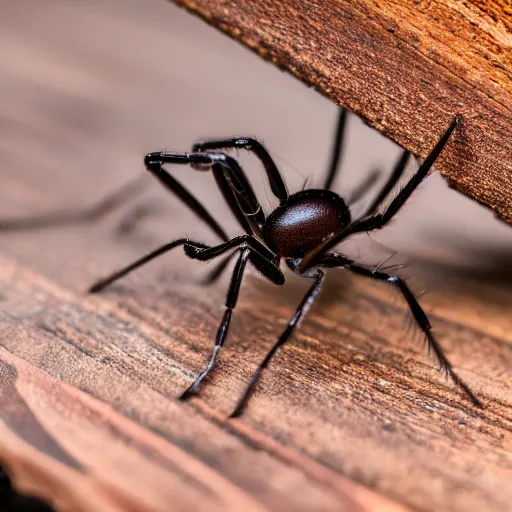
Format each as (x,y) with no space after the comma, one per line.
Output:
(352,415)
(404,67)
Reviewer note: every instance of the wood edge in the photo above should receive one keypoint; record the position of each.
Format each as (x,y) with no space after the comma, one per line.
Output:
(258,46)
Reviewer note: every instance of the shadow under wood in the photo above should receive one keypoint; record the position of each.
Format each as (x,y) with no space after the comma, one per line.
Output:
(491,266)
(11,501)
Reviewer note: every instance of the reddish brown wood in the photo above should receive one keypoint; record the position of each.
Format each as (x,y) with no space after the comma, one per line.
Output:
(405,67)
(50,454)
(348,398)
(351,416)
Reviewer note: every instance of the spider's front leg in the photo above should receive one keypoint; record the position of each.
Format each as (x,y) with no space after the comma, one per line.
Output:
(379,220)
(259,255)
(250,249)
(222,331)
(230,178)
(276,181)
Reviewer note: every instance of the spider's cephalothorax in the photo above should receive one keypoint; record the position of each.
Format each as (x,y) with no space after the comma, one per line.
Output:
(302,230)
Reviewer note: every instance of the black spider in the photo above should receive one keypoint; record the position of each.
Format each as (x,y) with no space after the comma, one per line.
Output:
(301,230)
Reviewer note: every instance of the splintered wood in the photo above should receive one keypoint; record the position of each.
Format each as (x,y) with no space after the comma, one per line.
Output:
(405,67)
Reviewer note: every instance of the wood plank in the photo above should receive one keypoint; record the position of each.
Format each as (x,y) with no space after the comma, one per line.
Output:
(365,407)
(352,415)
(405,67)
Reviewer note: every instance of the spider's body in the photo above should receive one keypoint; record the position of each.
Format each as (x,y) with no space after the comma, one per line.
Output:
(302,230)
(304,221)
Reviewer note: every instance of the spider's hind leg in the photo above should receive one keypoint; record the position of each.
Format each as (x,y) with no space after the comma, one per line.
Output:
(420,317)
(336,149)
(378,220)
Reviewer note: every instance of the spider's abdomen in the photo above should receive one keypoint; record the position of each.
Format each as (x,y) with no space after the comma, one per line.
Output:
(304,222)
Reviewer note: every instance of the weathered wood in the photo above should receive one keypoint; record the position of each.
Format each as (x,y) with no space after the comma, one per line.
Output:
(405,67)
(346,397)
(352,415)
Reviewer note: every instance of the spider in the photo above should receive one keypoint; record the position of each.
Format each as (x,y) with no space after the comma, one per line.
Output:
(302,231)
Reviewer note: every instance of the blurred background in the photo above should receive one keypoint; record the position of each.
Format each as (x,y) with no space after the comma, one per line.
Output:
(89,87)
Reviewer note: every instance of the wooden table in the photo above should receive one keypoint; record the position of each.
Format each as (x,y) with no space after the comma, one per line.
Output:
(352,415)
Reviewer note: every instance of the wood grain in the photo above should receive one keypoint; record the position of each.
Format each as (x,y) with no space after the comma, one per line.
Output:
(349,398)
(405,67)
(352,415)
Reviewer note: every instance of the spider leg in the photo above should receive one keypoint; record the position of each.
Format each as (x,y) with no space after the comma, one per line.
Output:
(249,249)
(397,173)
(260,257)
(277,183)
(94,213)
(250,222)
(222,331)
(337,148)
(108,280)
(421,319)
(230,179)
(302,310)
(173,185)
(154,162)
(362,188)
(379,220)
(217,270)
(264,260)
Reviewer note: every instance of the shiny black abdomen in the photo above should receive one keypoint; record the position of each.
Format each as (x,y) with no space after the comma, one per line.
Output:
(307,218)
